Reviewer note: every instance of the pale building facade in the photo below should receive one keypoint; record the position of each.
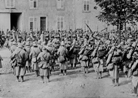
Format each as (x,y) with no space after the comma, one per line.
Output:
(41,15)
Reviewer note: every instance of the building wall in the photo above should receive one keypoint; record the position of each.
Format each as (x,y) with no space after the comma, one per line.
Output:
(94,23)
(73,14)
(4,21)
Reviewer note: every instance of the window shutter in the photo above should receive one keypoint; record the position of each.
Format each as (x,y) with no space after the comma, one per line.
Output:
(88,2)
(35,3)
(62,22)
(7,3)
(85,5)
(62,4)
(58,4)
(31,23)
(31,3)
(35,23)
(12,3)
(59,23)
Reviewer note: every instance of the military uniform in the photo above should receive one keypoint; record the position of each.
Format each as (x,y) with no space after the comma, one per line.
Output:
(44,64)
(27,49)
(35,50)
(62,53)
(127,58)
(20,69)
(115,63)
(84,59)
(73,53)
(101,54)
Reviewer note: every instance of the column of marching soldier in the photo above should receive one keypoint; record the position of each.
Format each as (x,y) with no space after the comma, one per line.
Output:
(42,54)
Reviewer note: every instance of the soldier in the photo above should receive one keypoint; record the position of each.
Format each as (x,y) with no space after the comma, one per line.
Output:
(27,48)
(44,65)
(13,46)
(95,60)
(19,56)
(35,50)
(62,58)
(133,71)
(73,52)
(84,59)
(101,53)
(12,61)
(115,64)
(56,42)
(127,56)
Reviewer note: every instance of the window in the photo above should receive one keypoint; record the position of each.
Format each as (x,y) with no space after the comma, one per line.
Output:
(33,23)
(85,28)
(10,3)
(33,4)
(60,4)
(60,22)
(86,6)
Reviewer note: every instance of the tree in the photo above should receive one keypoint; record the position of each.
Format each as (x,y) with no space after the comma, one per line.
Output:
(118,12)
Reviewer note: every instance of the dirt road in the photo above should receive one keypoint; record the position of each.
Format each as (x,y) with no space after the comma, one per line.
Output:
(74,85)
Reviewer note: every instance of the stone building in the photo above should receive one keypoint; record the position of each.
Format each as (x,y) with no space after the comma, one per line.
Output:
(44,15)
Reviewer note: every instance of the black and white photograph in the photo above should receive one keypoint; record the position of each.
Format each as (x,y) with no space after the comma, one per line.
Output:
(68,49)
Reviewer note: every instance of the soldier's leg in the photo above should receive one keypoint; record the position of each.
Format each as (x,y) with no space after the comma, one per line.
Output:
(22,73)
(116,75)
(42,74)
(36,68)
(65,68)
(37,72)
(75,61)
(47,71)
(17,73)
(87,66)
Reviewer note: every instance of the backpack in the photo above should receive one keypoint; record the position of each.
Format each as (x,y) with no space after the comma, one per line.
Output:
(19,59)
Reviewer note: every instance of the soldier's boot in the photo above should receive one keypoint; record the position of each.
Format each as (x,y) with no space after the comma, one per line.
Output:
(48,79)
(117,82)
(42,77)
(126,74)
(53,69)
(37,73)
(22,78)
(65,72)
(113,81)
(74,65)
(83,69)
(87,70)
(18,78)
(71,65)
(61,72)
(135,90)
(100,75)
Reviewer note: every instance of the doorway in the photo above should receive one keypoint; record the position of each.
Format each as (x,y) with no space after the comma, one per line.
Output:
(15,20)
(43,24)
